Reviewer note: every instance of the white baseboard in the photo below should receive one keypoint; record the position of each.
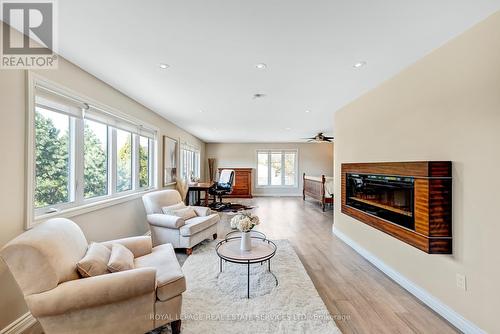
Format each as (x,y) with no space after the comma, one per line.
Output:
(19,325)
(438,306)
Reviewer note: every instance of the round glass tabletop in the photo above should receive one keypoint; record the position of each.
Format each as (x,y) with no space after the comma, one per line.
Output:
(262,249)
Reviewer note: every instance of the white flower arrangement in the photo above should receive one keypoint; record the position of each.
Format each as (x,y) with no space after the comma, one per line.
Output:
(244,222)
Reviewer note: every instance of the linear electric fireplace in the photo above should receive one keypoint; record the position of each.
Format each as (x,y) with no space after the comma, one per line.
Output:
(409,200)
(384,196)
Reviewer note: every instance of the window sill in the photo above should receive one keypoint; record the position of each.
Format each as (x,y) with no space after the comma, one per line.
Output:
(86,208)
(170,184)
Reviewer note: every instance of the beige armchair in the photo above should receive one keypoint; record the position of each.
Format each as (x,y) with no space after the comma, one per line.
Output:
(175,230)
(43,262)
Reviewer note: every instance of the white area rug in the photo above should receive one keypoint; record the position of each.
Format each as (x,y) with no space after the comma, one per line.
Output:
(218,304)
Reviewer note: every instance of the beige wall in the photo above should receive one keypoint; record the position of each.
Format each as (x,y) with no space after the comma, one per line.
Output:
(314,159)
(444,107)
(121,220)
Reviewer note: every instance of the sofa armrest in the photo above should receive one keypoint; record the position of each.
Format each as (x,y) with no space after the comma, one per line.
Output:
(139,246)
(168,221)
(202,211)
(93,291)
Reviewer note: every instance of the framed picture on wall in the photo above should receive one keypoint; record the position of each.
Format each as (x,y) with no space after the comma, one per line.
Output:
(170,151)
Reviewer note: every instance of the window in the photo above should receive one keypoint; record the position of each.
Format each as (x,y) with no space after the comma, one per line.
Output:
(144,162)
(123,160)
(262,168)
(81,153)
(277,168)
(190,162)
(95,152)
(54,158)
(289,168)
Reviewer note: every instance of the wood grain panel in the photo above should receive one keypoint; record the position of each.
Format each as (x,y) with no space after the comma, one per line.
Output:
(422,206)
(439,169)
(440,246)
(417,240)
(440,207)
(413,169)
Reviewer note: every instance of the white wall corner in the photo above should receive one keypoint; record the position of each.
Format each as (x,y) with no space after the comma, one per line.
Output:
(437,305)
(20,325)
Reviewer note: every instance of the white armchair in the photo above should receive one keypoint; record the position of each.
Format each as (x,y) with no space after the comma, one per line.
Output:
(175,230)
(43,262)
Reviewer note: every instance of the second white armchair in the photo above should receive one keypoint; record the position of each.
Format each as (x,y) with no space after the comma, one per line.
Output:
(180,232)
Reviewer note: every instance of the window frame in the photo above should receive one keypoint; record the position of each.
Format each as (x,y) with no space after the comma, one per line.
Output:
(269,168)
(78,204)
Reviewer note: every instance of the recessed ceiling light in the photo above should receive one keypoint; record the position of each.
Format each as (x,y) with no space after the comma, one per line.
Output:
(359,64)
(259,96)
(164,66)
(261,66)
(308,111)
(200,110)
(288,129)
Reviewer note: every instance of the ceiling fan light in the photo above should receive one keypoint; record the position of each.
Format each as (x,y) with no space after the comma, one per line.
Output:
(320,138)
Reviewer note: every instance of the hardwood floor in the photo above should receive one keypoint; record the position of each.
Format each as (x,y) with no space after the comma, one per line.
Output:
(361,298)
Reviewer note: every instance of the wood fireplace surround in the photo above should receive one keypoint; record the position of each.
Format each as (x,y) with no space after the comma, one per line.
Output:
(410,201)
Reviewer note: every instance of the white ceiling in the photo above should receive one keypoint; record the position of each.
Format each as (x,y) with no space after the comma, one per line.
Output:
(212,48)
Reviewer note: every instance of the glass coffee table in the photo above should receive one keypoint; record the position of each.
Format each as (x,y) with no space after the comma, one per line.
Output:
(262,250)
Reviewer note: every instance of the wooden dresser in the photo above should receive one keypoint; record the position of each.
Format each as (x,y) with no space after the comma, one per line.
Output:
(243,182)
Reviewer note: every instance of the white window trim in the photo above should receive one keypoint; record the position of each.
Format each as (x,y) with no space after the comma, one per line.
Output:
(83,205)
(282,151)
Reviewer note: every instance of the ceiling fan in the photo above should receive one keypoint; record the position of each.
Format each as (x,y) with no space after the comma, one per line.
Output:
(320,138)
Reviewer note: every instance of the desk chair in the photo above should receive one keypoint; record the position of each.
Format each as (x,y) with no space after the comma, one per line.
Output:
(222,187)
